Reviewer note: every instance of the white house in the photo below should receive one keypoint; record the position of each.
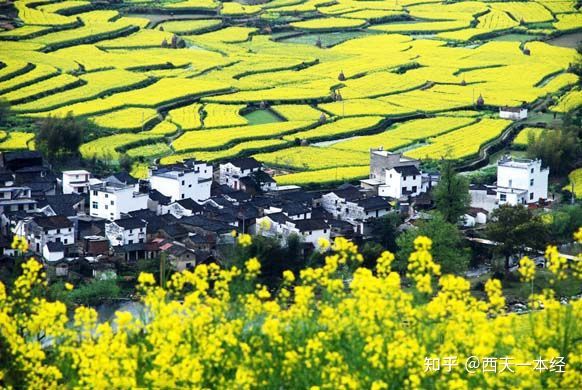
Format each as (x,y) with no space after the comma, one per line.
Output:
(53,251)
(126,231)
(401,181)
(521,181)
(483,197)
(41,230)
(232,171)
(513,113)
(395,176)
(76,182)
(280,226)
(16,199)
(475,216)
(109,200)
(191,180)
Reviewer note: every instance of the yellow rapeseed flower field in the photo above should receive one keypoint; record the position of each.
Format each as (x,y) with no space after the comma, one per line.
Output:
(217,327)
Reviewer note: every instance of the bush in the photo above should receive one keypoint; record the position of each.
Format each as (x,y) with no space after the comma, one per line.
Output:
(327,327)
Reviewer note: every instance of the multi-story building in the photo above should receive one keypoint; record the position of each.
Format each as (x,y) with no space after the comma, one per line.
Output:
(41,230)
(110,200)
(234,170)
(191,180)
(126,231)
(394,175)
(76,182)
(521,181)
(16,199)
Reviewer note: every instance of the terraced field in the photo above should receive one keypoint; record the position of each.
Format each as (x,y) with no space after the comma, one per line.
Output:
(331,79)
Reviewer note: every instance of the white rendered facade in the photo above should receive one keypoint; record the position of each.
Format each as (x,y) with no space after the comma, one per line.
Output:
(188,183)
(110,201)
(521,181)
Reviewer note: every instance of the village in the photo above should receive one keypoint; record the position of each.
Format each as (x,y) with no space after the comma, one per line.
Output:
(85,227)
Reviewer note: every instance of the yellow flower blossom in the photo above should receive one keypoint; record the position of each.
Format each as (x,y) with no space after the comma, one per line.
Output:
(527,269)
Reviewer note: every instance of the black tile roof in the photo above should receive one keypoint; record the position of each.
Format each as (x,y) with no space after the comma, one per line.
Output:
(305,225)
(280,218)
(54,222)
(374,203)
(174,230)
(245,163)
(295,208)
(191,205)
(157,196)
(130,223)
(407,170)
(55,246)
(350,193)
(262,177)
(64,204)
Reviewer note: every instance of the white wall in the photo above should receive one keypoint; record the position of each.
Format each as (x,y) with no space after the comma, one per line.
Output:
(184,184)
(110,205)
(75,177)
(54,256)
(525,176)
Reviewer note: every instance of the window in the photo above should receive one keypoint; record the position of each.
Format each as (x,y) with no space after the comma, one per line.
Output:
(404,189)
(510,183)
(95,205)
(94,193)
(183,182)
(182,196)
(532,170)
(414,188)
(106,207)
(141,240)
(531,182)
(189,185)
(66,240)
(58,231)
(107,195)
(324,231)
(413,177)
(130,242)
(112,203)
(531,195)
(503,197)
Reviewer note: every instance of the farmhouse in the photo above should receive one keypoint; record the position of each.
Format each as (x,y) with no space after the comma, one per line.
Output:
(234,170)
(110,200)
(519,181)
(190,180)
(513,113)
(76,182)
(393,175)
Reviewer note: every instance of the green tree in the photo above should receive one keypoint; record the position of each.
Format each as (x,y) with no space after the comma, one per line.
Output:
(95,291)
(448,247)
(558,149)
(384,230)
(564,222)
(451,195)
(515,228)
(4,111)
(60,137)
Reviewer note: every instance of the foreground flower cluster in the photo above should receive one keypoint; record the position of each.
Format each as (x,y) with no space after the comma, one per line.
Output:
(217,328)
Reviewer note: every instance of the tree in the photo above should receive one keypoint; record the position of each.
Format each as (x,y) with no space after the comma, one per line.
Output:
(4,111)
(448,247)
(452,193)
(59,137)
(384,230)
(563,222)
(515,228)
(125,162)
(558,149)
